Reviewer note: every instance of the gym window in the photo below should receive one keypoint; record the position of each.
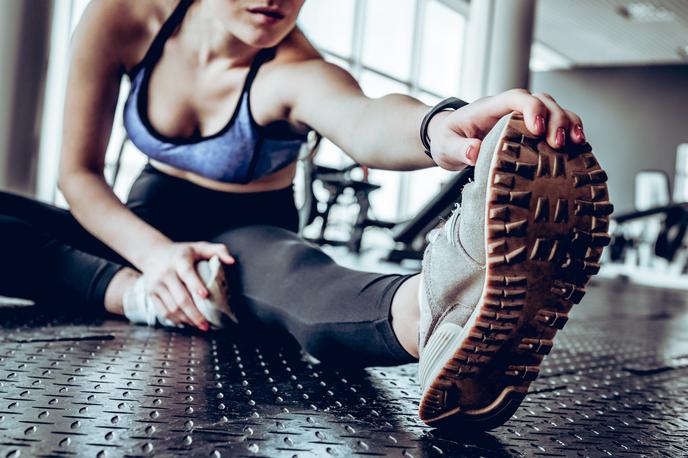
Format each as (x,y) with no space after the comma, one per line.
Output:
(411,47)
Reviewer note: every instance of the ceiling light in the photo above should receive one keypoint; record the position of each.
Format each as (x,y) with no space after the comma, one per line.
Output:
(646,12)
(543,58)
(682,52)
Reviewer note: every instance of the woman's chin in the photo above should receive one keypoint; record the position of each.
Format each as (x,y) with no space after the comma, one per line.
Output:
(263,35)
(264,39)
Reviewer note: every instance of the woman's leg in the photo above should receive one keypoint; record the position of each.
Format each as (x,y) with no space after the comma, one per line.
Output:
(47,256)
(405,314)
(335,313)
(76,268)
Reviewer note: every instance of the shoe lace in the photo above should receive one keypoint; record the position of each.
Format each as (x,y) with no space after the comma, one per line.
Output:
(450,227)
(446,226)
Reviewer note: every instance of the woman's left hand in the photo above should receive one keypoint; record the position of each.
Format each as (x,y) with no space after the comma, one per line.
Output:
(455,136)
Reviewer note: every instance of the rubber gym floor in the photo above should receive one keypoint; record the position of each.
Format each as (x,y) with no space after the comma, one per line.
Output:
(616,384)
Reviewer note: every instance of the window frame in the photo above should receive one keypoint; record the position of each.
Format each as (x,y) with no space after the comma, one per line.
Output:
(355,61)
(357,67)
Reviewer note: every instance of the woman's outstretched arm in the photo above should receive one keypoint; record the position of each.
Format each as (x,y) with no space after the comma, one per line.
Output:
(384,132)
(381,133)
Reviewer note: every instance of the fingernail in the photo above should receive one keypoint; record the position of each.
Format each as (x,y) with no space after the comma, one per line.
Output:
(202,292)
(579,131)
(560,137)
(471,153)
(204,326)
(540,124)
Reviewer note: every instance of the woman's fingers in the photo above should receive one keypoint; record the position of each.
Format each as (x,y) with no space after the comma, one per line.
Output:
(158,305)
(576,133)
(183,300)
(166,306)
(174,280)
(535,111)
(467,150)
(558,123)
(454,152)
(207,250)
(542,114)
(200,251)
(451,143)
(193,281)
(455,138)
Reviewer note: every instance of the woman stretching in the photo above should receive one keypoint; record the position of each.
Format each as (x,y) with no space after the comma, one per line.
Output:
(222,95)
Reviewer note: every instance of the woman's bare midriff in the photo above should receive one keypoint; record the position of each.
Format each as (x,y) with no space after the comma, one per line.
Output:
(279,180)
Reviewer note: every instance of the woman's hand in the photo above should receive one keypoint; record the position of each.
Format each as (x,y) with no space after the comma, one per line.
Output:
(171,276)
(455,136)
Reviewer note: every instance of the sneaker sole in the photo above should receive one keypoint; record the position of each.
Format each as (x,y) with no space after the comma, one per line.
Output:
(547,221)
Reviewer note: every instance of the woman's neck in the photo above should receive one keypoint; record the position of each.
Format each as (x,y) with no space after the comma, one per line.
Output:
(209,39)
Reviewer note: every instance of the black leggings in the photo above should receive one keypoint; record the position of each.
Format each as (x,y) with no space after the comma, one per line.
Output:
(280,281)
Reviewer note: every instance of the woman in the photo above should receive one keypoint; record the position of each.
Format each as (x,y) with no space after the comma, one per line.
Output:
(214,187)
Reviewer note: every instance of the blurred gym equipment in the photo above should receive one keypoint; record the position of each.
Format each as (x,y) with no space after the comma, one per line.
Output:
(654,235)
(408,236)
(336,183)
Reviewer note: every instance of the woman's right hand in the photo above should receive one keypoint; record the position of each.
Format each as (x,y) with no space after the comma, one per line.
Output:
(171,276)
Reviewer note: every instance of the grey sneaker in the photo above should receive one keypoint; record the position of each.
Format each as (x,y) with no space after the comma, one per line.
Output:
(501,275)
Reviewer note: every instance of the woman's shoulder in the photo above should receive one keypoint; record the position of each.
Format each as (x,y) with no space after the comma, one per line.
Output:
(297,57)
(128,26)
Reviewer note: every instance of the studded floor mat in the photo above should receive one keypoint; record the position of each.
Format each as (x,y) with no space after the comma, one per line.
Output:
(615,385)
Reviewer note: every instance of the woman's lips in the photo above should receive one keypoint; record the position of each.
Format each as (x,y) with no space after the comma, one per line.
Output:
(267,15)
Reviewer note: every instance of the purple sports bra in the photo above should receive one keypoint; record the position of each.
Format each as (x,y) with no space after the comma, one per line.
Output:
(240,152)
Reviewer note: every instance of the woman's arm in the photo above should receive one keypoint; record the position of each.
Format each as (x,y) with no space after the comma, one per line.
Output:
(384,132)
(98,46)
(380,133)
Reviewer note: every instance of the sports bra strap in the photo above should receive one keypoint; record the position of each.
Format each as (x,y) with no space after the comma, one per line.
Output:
(164,33)
(260,58)
(168,28)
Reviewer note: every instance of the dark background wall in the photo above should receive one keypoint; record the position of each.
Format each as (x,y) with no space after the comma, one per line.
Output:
(634,117)
(24,49)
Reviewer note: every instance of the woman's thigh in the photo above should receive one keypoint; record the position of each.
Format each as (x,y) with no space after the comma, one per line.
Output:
(284,282)
(179,209)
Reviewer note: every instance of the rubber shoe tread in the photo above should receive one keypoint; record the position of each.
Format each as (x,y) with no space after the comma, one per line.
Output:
(547,216)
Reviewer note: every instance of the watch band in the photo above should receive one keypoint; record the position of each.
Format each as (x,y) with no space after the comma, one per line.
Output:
(450,103)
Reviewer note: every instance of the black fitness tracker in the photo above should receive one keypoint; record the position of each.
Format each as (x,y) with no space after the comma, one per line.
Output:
(451,103)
